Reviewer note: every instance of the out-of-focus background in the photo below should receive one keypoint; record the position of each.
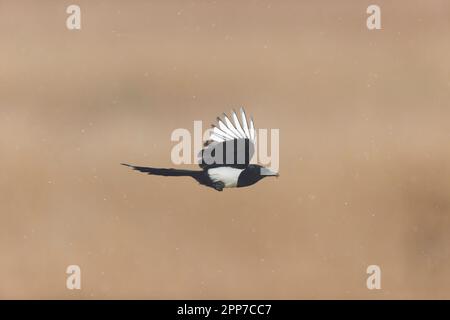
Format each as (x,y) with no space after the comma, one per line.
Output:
(364,158)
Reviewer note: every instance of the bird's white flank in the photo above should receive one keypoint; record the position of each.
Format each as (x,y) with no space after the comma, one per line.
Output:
(228,175)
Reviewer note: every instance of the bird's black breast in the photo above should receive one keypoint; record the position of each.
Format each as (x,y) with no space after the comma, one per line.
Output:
(248,177)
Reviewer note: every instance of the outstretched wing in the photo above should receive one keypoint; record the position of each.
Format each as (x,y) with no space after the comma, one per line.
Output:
(230,144)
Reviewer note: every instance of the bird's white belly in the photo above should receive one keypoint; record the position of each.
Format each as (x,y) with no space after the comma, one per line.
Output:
(229,176)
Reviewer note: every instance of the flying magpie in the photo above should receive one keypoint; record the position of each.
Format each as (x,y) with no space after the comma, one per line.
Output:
(225,158)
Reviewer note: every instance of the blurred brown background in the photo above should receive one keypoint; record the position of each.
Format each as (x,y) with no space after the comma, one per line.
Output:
(364,160)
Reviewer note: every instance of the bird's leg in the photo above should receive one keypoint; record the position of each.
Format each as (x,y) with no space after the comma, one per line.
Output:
(218,185)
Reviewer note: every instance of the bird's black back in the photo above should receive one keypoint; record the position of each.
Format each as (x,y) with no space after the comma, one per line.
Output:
(235,153)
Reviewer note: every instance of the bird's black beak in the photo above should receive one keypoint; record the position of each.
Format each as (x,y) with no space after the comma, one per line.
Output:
(268,172)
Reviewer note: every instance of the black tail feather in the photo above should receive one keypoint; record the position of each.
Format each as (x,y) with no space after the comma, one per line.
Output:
(167,172)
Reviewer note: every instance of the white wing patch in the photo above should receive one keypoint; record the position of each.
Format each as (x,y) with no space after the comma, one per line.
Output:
(227,131)
(228,175)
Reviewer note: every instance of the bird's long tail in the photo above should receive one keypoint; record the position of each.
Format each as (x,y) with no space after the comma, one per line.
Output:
(167,172)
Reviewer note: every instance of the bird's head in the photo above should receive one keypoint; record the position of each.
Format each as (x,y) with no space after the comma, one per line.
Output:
(255,172)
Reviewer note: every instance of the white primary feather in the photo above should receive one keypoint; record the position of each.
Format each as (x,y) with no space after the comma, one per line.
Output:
(216,138)
(228,175)
(219,132)
(238,124)
(231,126)
(252,130)
(244,123)
(227,131)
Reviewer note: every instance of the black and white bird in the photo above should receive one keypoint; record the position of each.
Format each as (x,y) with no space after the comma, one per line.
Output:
(225,158)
